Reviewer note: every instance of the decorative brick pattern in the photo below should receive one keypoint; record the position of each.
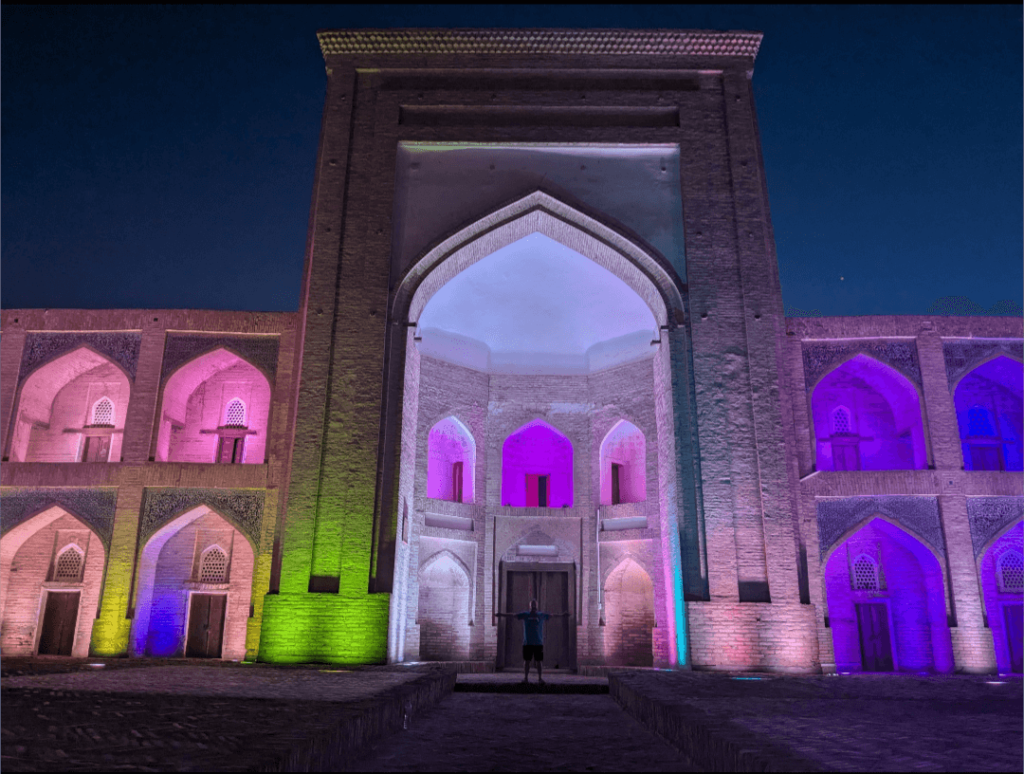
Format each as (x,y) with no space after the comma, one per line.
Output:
(963,355)
(822,357)
(988,515)
(919,514)
(93,506)
(261,351)
(41,348)
(534,42)
(243,508)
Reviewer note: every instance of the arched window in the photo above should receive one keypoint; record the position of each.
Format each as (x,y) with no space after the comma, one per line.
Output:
(979,422)
(865,574)
(1010,571)
(103,413)
(841,424)
(234,415)
(68,567)
(213,566)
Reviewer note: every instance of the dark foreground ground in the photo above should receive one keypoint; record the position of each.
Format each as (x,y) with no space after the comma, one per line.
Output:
(131,715)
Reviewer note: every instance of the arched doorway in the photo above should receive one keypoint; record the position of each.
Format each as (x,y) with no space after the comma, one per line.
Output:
(451,462)
(1002,583)
(629,615)
(72,409)
(886,602)
(444,601)
(623,465)
(989,414)
(194,589)
(51,572)
(492,335)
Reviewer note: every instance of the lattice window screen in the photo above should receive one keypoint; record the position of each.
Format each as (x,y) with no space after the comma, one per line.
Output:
(235,414)
(1011,571)
(69,565)
(841,421)
(213,566)
(865,574)
(979,421)
(103,412)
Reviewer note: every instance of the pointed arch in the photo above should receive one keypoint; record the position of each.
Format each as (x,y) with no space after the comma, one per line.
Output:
(1000,570)
(194,405)
(623,460)
(451,461)
(988,400)
(537,467)
(56,399)
(629,616)
(647,274)
(444,610)
(886,413)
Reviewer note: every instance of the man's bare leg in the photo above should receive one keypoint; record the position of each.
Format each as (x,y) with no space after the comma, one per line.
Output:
(540,676)
(526,671)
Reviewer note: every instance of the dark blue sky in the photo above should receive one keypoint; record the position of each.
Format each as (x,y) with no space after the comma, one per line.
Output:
(163,157)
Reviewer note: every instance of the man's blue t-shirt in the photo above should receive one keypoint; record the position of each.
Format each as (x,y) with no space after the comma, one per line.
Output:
(533,627)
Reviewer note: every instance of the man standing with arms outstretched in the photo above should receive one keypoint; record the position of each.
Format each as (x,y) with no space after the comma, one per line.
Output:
(533,638)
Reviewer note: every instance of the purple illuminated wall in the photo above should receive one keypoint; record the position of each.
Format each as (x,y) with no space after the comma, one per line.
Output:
(989,413)
(911,588)
(536,449)
(624,445)
(195,402)
(867,417)
(448,443)
(1003,600)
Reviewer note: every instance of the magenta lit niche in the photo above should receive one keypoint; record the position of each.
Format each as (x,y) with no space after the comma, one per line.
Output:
(623,465)
(989,412)
(536,467)
(215,409)
(867,417)
(886,603)
(72,410)
(451,457)
(1002,581)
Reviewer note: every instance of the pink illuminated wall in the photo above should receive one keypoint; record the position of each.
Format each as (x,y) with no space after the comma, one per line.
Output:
(988,411)
(195,406)
(56,404)
(629,616)
(625,446)
(1003,596)
(536,449)
(911,588)
(448,443)
(867,417)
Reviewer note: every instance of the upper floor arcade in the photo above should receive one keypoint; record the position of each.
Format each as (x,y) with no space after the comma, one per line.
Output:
(124,388)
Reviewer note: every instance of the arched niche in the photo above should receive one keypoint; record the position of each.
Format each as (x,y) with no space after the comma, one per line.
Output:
(54,417)
(989,414)
(444,608)
(43,611)
(623,460)
(536,467)
(867,416)
(1002,592)
(173,603)
(628,616)
(451,461)
(901,624)
(195,424)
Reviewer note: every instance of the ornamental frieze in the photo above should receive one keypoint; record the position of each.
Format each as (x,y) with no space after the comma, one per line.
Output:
(988,515)
(40,348)
(260,351)
(822,357)
(94,507)
(963,355)
(919,514)
(242,507)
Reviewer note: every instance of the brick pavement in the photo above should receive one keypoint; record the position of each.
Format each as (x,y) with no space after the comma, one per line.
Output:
(821,723)
(499,731)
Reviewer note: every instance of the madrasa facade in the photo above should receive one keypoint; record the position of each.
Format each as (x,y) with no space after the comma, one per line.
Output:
(541,353)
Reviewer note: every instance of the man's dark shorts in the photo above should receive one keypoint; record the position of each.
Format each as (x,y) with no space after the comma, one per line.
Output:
(533,652)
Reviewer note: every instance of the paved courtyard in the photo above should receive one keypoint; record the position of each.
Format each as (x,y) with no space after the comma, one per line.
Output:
(62,715)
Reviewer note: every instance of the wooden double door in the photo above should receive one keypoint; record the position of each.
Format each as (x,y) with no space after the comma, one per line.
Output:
(205,626)
(554,588)
(60,619)
(875,642)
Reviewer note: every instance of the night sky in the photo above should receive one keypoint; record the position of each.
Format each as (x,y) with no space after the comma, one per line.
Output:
(164,157)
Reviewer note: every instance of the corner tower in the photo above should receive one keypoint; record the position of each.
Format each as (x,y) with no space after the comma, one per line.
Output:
(559,165)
